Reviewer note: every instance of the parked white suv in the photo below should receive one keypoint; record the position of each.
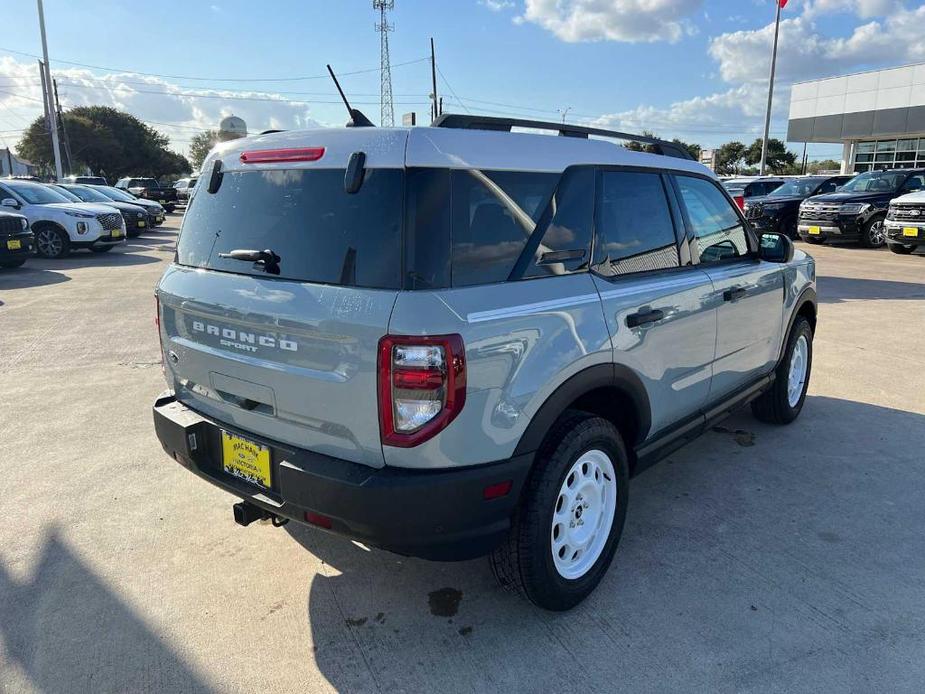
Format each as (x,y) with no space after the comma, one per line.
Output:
(60,225)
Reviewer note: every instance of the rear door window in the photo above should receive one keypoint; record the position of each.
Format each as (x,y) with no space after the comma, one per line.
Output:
(321,233)
(635,232)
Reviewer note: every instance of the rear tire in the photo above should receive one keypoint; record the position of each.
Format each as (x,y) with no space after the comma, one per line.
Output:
(873,235)
(570,518)
(51,241)
(782,403)
(10,264)
(901,250)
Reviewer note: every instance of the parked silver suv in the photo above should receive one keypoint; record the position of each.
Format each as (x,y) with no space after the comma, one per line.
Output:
(458,340)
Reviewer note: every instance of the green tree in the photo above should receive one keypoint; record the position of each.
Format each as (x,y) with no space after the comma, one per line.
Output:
(200,146)
(642,146)
(778,159)
(692,148)
(107,141)
(823,165)
(729,158)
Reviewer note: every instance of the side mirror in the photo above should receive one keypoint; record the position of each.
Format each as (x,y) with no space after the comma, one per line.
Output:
(775,248)
(10,202)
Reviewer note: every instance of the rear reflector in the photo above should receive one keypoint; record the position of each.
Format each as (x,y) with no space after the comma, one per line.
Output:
(318,519)
(495,491)
(274,156)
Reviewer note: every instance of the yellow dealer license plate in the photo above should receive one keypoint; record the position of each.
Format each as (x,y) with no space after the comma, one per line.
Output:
(910,231)
(116,233)
(142,224)
(245,459)
(815,230)
(14,244)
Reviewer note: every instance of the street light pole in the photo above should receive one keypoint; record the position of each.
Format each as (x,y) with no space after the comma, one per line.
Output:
(767,117)
(52,117)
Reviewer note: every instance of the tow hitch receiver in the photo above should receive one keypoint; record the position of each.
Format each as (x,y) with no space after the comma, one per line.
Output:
(245,513)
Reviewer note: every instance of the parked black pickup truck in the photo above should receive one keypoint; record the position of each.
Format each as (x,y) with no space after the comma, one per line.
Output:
(777,211)
(857,211)
(150,189)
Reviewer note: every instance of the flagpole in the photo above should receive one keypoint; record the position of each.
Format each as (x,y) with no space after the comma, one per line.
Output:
(767,117)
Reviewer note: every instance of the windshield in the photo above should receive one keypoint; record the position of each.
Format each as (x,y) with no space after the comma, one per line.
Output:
(68,194)
(88,194)
(801,187)
(875,182)
(35,194)
(320,232)
(116,194)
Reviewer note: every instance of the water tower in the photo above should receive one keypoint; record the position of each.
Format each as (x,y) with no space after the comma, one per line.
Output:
(231,128)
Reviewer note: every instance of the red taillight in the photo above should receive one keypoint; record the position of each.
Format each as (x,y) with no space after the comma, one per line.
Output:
(274,156)
(739,200)
(422,386)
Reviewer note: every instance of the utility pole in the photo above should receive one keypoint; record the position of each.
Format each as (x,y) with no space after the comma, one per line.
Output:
(52,120)
(387,110)
(435,109)
(767,117)
(803,167)
(67,142)
(564,112)
(44,96)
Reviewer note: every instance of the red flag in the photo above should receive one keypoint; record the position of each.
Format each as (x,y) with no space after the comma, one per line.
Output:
(782,3)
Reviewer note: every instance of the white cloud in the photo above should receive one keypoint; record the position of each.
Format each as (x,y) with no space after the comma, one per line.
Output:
(146,98)
(497,5)
(804,52)
(632,21)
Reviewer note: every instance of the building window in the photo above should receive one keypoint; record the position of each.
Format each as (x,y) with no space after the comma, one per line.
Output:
(889,154)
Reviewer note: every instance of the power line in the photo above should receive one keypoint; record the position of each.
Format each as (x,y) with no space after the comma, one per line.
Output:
(214,79)
(450,87)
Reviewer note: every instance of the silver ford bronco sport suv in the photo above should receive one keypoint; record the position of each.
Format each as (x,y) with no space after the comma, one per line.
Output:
(459,340)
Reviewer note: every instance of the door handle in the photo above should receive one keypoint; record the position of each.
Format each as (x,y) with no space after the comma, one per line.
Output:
(734,293)
(634,320)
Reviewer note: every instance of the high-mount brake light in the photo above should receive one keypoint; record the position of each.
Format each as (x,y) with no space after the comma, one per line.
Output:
(276,156)
(422,386)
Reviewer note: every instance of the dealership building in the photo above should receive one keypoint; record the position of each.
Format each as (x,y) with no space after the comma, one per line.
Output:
(878,117)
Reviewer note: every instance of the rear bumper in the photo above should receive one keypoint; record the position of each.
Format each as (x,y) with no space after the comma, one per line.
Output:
(432,514)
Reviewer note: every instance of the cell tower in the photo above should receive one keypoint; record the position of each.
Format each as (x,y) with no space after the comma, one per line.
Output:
(387,117)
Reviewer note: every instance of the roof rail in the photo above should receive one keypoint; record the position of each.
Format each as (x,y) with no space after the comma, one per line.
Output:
(467,122)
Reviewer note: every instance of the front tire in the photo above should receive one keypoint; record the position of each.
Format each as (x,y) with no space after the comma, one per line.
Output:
(901,250)
(51,242)
(571,516)
(782,403)
(873,235)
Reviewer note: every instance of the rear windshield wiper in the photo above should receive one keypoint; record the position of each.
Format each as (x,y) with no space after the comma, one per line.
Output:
(266,260)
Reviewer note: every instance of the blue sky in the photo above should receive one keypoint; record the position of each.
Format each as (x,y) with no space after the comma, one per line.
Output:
(690,68)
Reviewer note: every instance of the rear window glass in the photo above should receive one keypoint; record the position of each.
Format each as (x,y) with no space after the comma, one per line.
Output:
(321,233)
(492,215)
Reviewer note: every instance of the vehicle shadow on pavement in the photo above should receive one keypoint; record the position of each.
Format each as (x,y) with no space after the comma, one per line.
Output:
(833,290)
(29,276)
(117,257)
(752,559)
(68,631)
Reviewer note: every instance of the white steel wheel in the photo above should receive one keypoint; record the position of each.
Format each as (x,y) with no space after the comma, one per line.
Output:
(583,514)
(796,378)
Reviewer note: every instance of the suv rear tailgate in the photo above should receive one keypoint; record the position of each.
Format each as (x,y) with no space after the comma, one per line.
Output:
(293,362)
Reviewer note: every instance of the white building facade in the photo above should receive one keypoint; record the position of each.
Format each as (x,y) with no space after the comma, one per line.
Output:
(877,116)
